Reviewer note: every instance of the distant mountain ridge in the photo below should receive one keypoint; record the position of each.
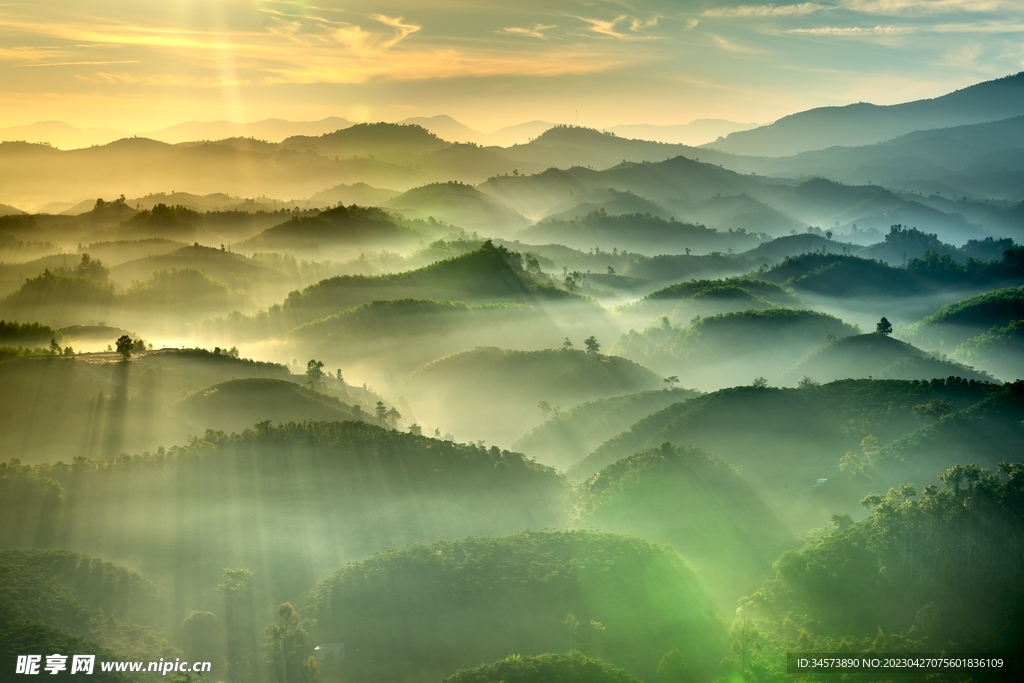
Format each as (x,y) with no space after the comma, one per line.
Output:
(865,124)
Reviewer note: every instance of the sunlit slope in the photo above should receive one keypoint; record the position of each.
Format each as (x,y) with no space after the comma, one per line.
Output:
(876,355)
(85,597)
(837,275)
(986,433)
(356,193)
(422,612)
(611,202)
(461,205)
(136,167)
(289,502)
(957,322)
(163,302)
(493,393)
(785,440)
(105,405)
(239,404)
(548,667)
(694,502)
(351,226)
(569,435)
(119,251)
(879,581)
(999,351)
(732,348)
(644,233)
(236,270)
(684,300)
(18,636)
(489,274)
(387,140)
(404,334)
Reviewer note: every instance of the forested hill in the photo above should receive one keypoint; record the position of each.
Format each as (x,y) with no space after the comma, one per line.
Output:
(488,274)
(390,487)
(632,602)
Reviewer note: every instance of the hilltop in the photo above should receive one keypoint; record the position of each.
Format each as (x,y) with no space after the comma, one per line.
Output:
(351,226)
(957,322)
(694,502)
(442,598)
(570,435)
(461,387)
(730,348)
(876,355)
(461,205)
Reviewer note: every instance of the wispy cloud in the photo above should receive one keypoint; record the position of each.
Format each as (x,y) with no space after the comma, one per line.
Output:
(607,27)
(853,30)
(536,31)
(766,10)
(919,7)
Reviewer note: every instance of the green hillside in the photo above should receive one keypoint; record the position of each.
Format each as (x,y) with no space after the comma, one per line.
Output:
(731,348)
(422,612)
(568,436)
(352,226)
(493,393)
(876,355)
(694,502)
(103,603)
(999,351)
(549,667)
(461,205)
(785,440)
(878,583)
(488,274)
(955,323)
(106,406)
(326,492)
(646,233)
(238,404)
(407,333)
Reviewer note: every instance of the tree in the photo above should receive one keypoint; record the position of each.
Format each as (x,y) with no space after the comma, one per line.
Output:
(808,382)
(759,382)
(381,412)
(672,668)
(566,345)
(124,346)
(315,372)
(545,409)
(592,345)
(286,642)
(201,637)
(54,348)
(393,416)
(884,327)
(572,624)
(239,623)
(415,430)
(671,381)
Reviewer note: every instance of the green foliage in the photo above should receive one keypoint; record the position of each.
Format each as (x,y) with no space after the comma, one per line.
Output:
(86,597)
(20,637)
(349,226)
(957,322)
(25,334)
(572,667)
(427,608)
(694,502)
(572,434)
(934,572)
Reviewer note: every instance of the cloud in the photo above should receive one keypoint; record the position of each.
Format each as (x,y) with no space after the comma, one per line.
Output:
(903,7)
(766,10)
(607,28)
(853,30)
(536,31)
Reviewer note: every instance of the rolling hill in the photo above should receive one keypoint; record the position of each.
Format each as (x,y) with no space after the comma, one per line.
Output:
(570,435)
(444,598)
(876,355)
(461,205)
(493,393)
(342,226)
(955,323)
(694,502)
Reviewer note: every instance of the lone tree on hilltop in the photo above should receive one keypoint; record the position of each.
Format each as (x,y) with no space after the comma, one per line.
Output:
(381,412)
(592,345)
(125,345)
(671,381)
(884,327)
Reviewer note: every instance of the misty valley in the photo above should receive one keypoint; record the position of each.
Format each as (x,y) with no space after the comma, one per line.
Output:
(373,406)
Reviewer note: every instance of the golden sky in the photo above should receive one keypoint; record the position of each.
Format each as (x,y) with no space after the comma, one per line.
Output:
(140,66)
